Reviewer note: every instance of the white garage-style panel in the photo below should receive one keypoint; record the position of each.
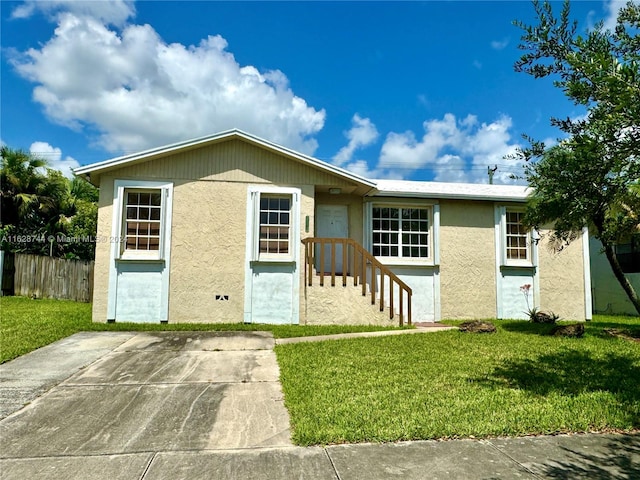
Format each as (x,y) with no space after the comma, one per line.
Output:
(139,295)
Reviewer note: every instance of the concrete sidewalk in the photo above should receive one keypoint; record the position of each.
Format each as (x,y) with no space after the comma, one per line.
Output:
(193,405)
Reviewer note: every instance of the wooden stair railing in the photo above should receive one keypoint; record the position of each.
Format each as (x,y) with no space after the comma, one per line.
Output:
(355,257)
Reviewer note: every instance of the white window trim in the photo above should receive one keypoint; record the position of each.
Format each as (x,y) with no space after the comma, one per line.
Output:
(118,233)
(434,231)
(161,255)
(501,241)
(253,225)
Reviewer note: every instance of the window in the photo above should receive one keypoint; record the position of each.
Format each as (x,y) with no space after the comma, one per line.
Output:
(517,238)
(142,222)
(629,255)
(400,232)
(275,224)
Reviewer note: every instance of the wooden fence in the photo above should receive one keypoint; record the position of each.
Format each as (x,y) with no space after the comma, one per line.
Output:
(47,277)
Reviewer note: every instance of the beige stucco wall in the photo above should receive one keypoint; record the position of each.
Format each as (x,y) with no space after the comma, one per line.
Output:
(341,305)
(562,279)
(209,225)
(103,251)
(207,252)
(467,259)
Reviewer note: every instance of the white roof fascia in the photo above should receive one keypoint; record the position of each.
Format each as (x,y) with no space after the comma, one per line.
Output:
(123,160)
(456,191)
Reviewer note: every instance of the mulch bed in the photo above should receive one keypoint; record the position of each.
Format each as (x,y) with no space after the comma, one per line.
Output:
(622,334)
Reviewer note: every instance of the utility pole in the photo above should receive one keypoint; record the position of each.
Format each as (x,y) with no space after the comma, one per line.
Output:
(491,172)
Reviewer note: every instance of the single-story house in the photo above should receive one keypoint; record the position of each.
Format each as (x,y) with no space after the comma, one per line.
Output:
(234,228)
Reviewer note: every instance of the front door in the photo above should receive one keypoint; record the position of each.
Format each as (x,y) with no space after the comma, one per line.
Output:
(332,221)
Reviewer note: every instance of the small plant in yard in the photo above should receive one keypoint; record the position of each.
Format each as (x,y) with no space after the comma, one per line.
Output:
(535,315)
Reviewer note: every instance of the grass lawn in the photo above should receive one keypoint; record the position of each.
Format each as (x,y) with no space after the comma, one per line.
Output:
(27,324)
(451,384)
(438,385)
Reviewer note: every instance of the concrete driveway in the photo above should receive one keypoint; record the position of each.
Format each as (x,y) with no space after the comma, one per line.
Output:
(140,394)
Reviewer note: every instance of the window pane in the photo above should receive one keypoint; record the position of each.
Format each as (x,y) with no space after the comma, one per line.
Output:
(399,236)
(275,222)
(517,237)
(142,220)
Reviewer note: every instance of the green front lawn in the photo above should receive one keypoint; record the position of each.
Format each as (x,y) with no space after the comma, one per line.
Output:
(27,324)
(451,384)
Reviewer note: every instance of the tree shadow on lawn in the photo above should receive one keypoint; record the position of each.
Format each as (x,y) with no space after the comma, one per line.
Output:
(617,459)
(571,372)
(525,326)
(598,329)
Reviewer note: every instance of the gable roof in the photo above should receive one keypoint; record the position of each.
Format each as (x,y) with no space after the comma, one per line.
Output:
(388,188)
(159,152)
(459,191)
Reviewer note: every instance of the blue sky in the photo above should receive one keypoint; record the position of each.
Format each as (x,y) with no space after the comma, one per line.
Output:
(411,90)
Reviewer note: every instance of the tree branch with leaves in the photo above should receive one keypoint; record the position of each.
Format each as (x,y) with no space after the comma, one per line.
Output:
(592,176)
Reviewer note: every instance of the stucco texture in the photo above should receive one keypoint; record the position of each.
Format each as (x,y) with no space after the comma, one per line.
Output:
(207,252)
(341,305)
(103,251)
(467,260)
(562,279)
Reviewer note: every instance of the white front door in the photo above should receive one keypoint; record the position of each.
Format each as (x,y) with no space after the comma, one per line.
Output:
(332,221)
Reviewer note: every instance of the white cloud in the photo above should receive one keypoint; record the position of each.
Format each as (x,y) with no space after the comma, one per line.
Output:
(138,91)
(499,44)
(456,150)
(362,133)
(612,8)
(115,12)
(53,156)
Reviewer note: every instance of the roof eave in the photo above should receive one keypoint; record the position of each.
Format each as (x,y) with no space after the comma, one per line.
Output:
(447,196)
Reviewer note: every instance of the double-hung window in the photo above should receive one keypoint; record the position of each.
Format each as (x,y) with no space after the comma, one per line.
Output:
(516,240)
(401,232)
(275,224)
(144,220)
(272,231)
